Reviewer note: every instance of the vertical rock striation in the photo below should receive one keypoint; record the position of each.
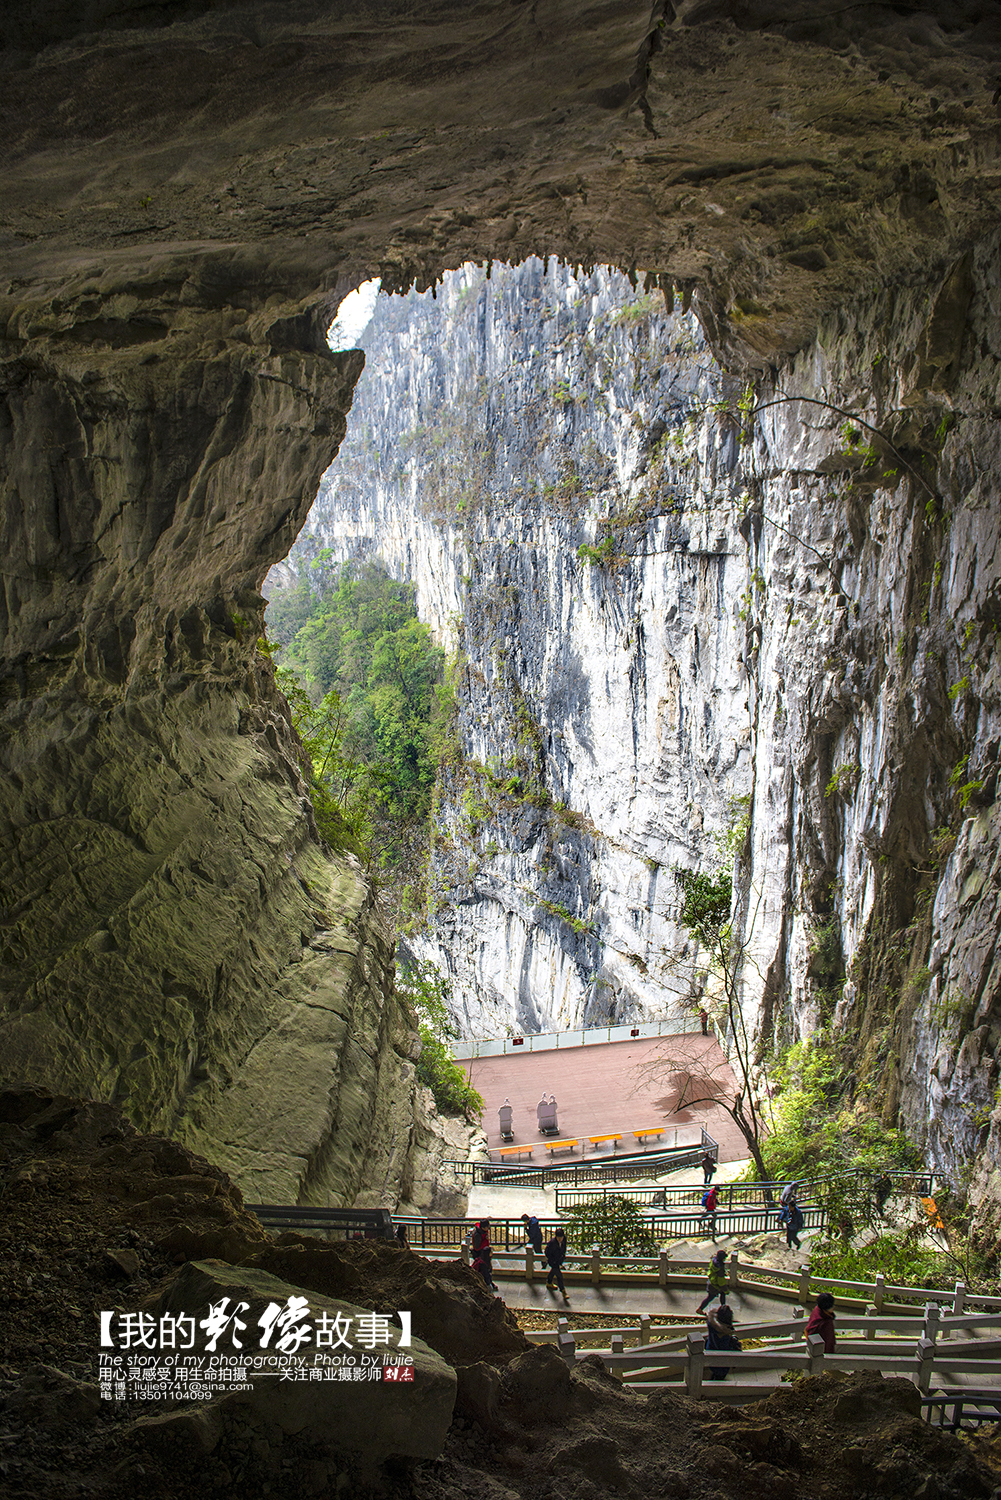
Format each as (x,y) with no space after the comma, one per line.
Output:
(795,605)
(602,710)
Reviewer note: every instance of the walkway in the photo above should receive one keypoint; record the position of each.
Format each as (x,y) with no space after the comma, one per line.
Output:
(485,1199)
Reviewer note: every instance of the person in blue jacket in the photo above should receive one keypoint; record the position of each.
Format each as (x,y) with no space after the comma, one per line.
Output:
(533,1232)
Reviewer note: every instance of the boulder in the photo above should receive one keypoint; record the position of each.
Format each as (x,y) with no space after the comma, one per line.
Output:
(374,1420)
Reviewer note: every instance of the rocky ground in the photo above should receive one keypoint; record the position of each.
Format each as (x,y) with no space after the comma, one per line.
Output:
(99,1218)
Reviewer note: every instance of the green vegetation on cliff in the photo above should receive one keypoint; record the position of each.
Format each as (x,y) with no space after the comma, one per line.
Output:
(363,679)
(426,989)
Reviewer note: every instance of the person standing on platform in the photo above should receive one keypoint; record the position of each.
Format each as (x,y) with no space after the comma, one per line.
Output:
(708,1168)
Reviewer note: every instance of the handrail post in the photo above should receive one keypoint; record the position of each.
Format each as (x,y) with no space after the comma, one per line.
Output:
(663,1267)
(617,1346)
(815,1353)
(878,1293)
(803,1290)
(595,1265)
(696,1350)
(645,1329)
(869,1332)
(925,1353)
(931,1321)
(958,1303)
(464,1253)
(567,1347)
(799,1316)
(529,1264)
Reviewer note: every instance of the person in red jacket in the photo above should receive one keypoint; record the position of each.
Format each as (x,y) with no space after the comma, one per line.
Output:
(822,1321)
(709,1202)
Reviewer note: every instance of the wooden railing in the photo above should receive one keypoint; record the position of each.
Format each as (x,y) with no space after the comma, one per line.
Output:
(895,1345)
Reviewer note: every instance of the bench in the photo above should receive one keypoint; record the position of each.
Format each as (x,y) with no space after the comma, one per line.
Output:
(514,1151)
(553,1146)
(641,1135)
(596,1140)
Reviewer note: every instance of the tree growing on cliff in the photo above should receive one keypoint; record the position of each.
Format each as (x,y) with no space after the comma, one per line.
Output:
(705,1076)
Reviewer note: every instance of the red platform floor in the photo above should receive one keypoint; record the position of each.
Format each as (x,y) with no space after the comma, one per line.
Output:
(609,1086)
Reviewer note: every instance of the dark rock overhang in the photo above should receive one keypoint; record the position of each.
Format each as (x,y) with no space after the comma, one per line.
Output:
(781,156)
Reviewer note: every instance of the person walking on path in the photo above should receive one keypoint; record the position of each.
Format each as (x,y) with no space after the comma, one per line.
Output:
(481,1253)
(556,1254)
(704,1018)
(822,1321)
(533,1232)
(708,1169)
(709,1204)
(715,1282)
(794,1223)
(719,1335)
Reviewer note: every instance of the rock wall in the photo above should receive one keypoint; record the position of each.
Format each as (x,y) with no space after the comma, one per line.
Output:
(174,937)
(796,607)
(602,712)
(876,702)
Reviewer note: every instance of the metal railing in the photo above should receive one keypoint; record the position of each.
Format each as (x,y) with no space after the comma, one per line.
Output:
(550,1041)
(507,1235)
(734,1195)
(624,1168)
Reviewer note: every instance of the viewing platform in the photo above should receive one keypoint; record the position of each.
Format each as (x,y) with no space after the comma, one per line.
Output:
(613,1097)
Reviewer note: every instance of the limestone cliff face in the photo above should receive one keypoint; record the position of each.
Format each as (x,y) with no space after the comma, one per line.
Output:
(796,607)
(174,937)
(602,710)
(876,702)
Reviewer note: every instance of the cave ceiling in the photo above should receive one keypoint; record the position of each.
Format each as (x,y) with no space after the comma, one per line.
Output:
(780,156)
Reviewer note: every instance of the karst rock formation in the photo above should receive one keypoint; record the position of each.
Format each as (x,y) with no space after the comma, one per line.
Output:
(184,206)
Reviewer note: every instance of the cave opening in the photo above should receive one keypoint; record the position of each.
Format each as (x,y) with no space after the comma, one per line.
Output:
(551,459)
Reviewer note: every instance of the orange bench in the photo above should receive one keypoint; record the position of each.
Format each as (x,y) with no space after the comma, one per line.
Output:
(641,1135)
(514,1151)
(596,1140)
(552,1146)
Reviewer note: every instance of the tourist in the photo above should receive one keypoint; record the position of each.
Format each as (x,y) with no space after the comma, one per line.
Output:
(481,1252)
(822,1321)
(794,1223)
(719,1335)
(715,1282)
(710,1201)
(556,1254)
(533,1232)
(708,1168)
(704,1018)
